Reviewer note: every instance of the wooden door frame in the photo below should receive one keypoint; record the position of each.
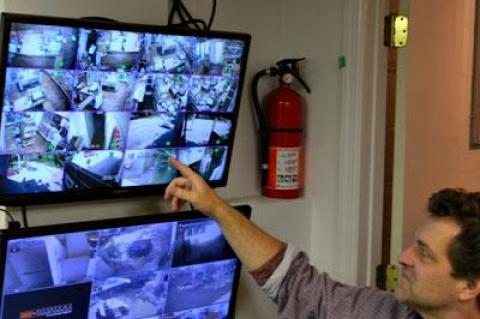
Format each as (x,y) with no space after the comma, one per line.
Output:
(394,7)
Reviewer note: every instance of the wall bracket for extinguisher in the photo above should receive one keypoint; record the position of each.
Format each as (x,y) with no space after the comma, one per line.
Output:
(285,70)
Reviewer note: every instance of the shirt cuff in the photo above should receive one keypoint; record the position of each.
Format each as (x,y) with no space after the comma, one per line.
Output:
(272,285)
(261,274)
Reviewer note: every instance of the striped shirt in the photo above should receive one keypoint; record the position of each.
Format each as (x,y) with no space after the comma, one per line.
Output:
(301,292)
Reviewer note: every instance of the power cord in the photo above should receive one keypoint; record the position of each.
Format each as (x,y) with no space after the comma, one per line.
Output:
(8,214)
(186,19)
(12,223)
(24,216)
(212,14)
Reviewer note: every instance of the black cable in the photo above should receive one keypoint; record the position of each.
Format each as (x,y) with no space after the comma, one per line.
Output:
(8,214)
(191,206)
(172,12)
(180,13)
(24,215)
(212,15)
(262,124)
(195,22)
(186,19)
(183,8)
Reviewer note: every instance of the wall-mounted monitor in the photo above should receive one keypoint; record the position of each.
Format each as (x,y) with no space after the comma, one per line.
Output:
(94,109)
(165,266)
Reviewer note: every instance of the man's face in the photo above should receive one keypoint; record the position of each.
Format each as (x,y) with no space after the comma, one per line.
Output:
(426,283)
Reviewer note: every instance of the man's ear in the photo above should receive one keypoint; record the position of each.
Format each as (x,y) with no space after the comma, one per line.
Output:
(470,289)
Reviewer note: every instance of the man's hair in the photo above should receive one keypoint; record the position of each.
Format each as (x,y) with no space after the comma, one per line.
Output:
(464,250)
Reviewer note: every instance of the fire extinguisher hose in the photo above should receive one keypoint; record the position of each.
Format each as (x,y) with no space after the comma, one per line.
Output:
(262,123)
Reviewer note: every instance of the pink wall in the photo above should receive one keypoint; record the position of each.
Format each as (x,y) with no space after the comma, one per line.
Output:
(440,63)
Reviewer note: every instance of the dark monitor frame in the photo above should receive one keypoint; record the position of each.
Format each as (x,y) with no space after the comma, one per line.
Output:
(119,192)
(12,234)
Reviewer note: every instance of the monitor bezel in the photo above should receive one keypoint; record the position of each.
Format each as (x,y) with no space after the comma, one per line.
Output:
(119,192)
(14,234)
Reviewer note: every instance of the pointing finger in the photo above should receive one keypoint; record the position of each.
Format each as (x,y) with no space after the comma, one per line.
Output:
(183,169)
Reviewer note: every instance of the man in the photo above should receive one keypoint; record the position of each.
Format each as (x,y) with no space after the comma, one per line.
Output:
(440,271)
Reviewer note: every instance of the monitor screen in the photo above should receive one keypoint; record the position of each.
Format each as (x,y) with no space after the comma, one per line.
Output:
(171,266)
(94,109)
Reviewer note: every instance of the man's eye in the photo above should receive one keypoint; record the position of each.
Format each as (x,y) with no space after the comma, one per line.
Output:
(424,253)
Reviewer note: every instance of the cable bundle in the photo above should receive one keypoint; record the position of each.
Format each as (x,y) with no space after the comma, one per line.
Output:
(186,19)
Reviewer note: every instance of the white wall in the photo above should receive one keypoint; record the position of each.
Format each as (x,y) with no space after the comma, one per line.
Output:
(279,29)
(150,11)
(314,29)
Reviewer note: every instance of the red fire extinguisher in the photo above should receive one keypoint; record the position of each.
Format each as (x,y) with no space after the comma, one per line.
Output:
(281,124)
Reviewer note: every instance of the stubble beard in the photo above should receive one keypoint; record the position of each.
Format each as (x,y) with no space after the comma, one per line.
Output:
(407,295)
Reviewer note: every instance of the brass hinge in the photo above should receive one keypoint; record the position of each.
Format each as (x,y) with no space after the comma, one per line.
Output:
(387,277)
(396,31)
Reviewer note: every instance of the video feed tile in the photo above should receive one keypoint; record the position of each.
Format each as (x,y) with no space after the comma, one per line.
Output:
(153,130)
(200,242)
(49,261)
(27,266)
(149,167)
(217,56)
(161,93)
(204,129)
(210,162)
(169,54)
(134,295)
(92,169)
(198,129)
(109,50)
(66,302)
(212,93)
(98,131)
(31,173)
(104,91)
(40,46)
(200,286)
(222,131)
(34,132)
(122,251)
(212,312)
(38,90)
(232,57)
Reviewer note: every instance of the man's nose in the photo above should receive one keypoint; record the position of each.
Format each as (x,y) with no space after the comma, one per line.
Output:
(406,257)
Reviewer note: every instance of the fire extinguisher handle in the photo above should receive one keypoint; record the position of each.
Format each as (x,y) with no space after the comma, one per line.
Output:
(302,81)
(290,62)
(291,66)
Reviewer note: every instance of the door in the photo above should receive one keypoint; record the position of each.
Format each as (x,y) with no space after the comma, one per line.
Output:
(433,106)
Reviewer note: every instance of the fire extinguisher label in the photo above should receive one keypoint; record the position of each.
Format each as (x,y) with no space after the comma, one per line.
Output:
(286,173)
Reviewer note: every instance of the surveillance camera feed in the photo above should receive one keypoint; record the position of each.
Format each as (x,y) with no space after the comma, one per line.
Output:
(171,270)
(88,108)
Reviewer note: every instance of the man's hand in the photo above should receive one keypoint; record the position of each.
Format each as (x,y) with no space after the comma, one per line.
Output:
(191,187)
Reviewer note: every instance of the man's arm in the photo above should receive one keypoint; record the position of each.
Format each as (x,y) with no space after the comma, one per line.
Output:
(252,245)
(299,290)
